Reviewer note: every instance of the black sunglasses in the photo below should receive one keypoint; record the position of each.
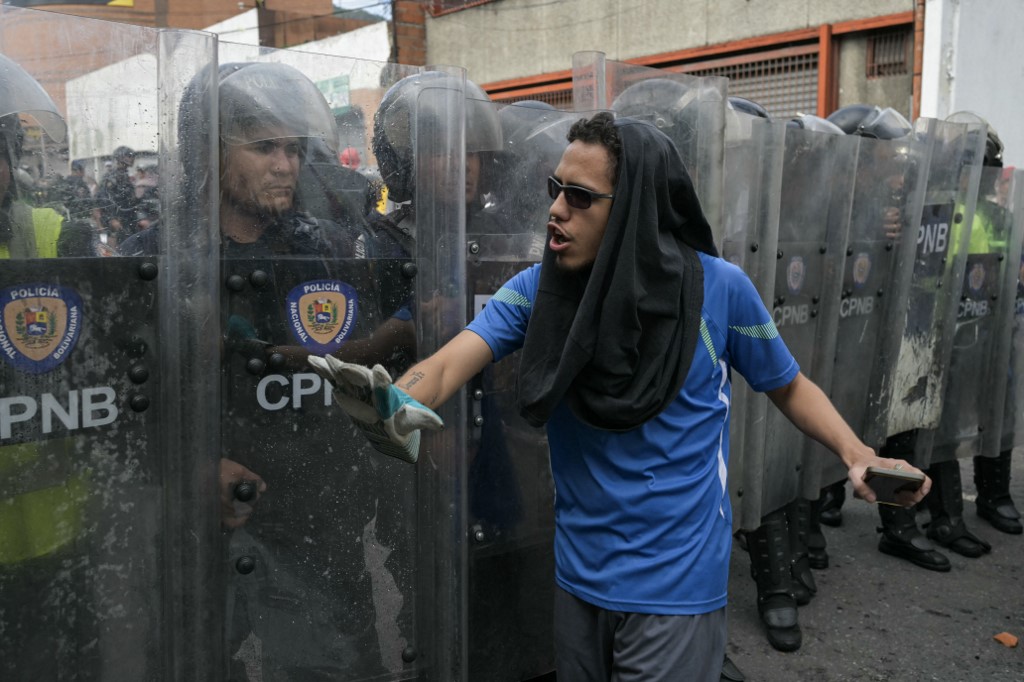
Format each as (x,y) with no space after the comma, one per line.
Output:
(577,197)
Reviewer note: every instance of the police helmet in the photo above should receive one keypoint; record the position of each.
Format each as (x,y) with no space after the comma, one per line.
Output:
(124,154)
(421,103)
(814,123)
(519,121)
(20,93)
(267,100)
(664,102)
(746,106)
(534,129)
(869,120)
(993,149)
(993,144)
(851,116)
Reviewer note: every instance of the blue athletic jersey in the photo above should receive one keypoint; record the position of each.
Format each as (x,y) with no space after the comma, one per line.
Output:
(642,517)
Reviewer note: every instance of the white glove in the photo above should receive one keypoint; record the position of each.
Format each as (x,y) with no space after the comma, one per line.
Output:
(389,418)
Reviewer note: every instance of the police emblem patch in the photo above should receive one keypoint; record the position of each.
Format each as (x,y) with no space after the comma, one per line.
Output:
(976,278)
(861,269)
(795,274)
(39,325)
(322,313)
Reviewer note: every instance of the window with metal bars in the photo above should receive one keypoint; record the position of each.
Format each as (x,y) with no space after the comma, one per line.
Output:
(889,52)
(784,81)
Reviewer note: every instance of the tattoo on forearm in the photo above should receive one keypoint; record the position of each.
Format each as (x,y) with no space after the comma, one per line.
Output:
(413,379)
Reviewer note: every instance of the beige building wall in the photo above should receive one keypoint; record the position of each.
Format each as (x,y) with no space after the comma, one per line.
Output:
(515,38)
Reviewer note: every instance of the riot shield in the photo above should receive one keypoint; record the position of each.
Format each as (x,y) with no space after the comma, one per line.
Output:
(887,197)
(814,207)
(974,391)
(911,397)
(689,109)
(347,568)
(510,490)
(753,176)
(109,510)
(1010,195)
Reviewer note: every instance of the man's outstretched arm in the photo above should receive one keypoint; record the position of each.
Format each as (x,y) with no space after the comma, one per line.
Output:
(391,414)
(807,406)
(434,380)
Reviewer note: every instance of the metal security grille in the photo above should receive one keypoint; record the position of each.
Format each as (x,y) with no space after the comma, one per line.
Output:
(785,82)
(889,53)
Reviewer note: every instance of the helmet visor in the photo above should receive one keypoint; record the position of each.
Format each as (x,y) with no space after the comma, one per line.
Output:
(22,94)
(270,101)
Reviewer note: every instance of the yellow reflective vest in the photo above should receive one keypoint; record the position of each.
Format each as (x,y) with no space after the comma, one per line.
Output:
(41,499)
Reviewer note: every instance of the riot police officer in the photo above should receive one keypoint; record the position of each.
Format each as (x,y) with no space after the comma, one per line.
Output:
(43,490)
(992,475)
(975,332)
(25,231)
(395,131)
(298,585)
(780,547)
(115,197)
(872,122)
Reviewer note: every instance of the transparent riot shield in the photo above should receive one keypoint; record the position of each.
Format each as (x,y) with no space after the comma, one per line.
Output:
(911,397)
(109,507)
(689,109)
(440,209)
(887,197)
(510,490)
(974,393)
(1010,195)
(814,207)
(754,150)
(344,567)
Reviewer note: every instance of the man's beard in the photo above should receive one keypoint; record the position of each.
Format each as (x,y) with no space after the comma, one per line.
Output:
(259,211)
(581,271)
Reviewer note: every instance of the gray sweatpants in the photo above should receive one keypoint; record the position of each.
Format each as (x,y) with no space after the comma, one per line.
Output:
(597,645)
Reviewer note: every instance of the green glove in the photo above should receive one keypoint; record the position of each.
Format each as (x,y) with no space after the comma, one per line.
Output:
(389,418)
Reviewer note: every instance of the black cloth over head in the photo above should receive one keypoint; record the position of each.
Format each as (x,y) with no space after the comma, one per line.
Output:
(617,341)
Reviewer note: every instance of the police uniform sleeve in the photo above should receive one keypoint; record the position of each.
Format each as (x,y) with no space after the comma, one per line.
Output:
(755,348)
(502,321)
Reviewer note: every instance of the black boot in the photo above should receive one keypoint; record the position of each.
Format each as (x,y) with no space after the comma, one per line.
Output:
(992,478)
(946,504)
(798,521)
(770,568)
(832,498)
(902,538)
(816,544)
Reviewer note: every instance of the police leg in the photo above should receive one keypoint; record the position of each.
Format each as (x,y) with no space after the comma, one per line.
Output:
(770,568)
(831,507)
(900,535)
(798,521)
(817,554)
(946,504)
(992,479)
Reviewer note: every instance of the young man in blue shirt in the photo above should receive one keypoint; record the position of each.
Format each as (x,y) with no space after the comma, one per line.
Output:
(629,329)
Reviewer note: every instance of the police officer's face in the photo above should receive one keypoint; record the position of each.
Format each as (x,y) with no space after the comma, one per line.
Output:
(441,172)
(575,234)
(260,177)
